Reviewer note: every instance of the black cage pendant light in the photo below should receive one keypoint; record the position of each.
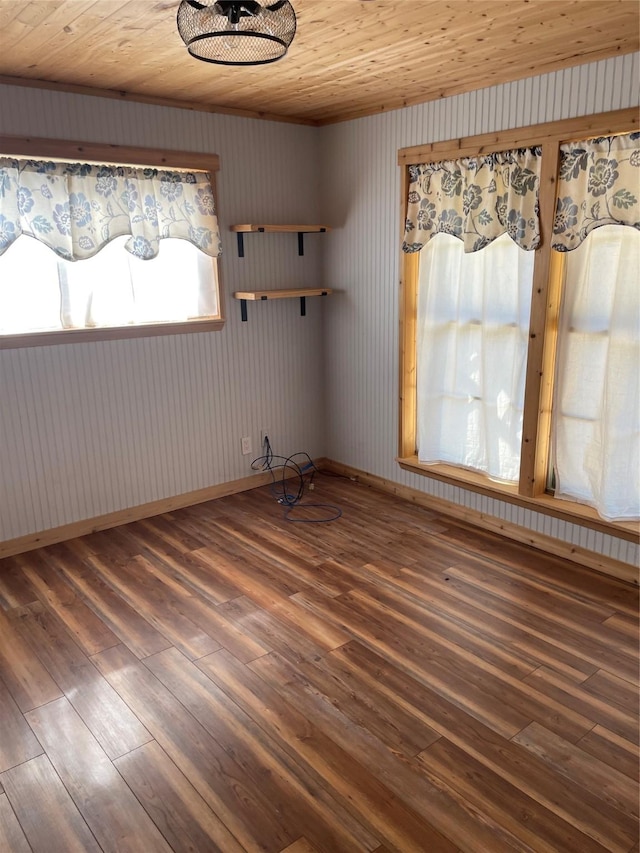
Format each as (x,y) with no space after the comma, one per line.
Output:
(237,33)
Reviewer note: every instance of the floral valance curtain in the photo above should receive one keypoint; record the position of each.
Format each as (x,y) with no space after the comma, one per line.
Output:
(599,184)
(76,208)
(477,199)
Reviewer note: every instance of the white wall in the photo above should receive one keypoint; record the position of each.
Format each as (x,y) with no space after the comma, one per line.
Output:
(87,429)
(361,196)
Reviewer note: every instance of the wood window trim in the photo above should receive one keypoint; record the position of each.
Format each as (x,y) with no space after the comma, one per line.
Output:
(105,153)
(120,155)
(545,305)
(545,504)
(107,333)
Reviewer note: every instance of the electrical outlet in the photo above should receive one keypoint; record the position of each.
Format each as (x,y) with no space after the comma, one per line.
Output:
(246,445)
(263,434)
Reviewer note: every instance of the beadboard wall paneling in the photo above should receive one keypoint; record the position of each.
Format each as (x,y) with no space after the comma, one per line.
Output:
(92,428)
(360,195)
(87,429)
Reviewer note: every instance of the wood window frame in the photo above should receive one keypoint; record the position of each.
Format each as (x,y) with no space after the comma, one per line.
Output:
(530,491)
(116,155)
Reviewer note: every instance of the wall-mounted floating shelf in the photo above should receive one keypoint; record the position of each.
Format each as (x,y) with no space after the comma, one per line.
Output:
(263,295)
(300,230)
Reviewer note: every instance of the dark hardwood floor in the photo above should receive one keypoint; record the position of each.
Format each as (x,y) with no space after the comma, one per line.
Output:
(217,679)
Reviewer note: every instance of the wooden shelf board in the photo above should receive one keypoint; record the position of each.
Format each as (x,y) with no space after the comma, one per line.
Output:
(299,229)
(257,295)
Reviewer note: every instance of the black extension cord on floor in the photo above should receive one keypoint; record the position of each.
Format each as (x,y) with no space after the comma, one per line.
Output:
(293,470)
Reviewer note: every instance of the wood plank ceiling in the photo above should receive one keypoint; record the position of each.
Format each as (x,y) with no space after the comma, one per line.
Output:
(349,57)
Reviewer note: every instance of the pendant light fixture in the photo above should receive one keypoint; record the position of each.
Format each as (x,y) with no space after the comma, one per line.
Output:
(237,33)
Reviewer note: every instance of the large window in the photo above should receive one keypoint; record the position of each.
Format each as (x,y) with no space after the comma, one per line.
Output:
(123,243)
(473,330)
(518,361)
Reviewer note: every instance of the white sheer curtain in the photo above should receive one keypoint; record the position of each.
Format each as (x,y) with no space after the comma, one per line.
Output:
(116,288)
(473,326)
(596,424)
(41,292)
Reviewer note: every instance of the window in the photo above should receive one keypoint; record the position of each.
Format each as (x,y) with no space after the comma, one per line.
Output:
(114,288)
(89,250)
(473,330)
(596,411)
(487,356)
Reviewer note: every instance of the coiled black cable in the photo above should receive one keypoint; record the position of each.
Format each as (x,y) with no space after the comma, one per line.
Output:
(293,470)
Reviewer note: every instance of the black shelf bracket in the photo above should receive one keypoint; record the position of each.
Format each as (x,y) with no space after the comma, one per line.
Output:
(240,237)
(303,305)
(243,308)
(301,239)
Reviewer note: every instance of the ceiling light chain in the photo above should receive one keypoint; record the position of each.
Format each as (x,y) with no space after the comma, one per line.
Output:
(237,33)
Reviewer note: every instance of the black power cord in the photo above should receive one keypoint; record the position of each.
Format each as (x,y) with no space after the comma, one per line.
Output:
(293,470)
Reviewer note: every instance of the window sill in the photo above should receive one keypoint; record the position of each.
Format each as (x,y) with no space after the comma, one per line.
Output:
(546,504)
(107,333)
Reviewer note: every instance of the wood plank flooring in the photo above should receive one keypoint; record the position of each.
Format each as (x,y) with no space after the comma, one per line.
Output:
(218,679)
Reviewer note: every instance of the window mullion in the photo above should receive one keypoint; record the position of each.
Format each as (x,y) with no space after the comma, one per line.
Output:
(409,271)
(408,356)
(544,298)
(543,437)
